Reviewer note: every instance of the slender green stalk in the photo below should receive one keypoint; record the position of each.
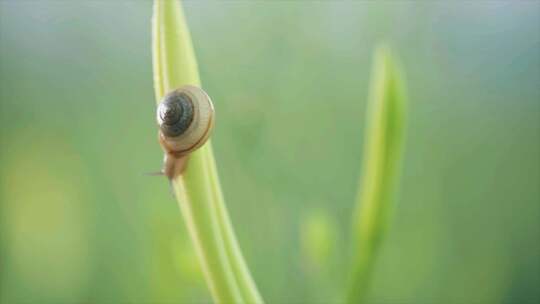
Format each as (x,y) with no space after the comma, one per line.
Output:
(247,285)
(201,219)
(384,146)
(198,190)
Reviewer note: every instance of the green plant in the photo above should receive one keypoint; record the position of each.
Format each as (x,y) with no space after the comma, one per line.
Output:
(199,192)
(384,147)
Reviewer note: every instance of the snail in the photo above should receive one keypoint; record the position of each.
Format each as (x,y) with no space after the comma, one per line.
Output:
(185,117)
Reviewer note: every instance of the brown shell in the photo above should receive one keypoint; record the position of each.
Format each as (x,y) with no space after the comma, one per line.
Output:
(177,149)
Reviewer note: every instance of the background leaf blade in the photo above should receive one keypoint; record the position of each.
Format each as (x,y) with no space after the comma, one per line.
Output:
(384,148)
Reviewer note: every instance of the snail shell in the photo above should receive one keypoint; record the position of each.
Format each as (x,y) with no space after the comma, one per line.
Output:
(186,118)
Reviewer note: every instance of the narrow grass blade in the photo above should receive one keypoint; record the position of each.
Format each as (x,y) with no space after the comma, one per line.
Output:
(384,147)
(198,190)
(243,275)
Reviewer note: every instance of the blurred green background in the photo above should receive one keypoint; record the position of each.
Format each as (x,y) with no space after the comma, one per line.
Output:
(81,223)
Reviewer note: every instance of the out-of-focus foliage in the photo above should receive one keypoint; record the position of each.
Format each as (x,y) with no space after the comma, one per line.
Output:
(383,154)
(79,222)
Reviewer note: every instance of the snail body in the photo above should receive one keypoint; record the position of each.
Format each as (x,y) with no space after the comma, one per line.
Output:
(186,118)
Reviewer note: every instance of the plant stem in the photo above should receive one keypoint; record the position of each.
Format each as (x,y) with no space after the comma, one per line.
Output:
(384,143)
(198,191)
(196,205)
(247,285)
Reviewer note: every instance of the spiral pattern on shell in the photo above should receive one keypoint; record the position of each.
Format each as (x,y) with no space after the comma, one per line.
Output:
(186,118)
(175,114)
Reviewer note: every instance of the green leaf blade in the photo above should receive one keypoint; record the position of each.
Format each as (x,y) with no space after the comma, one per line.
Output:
(384,147)
(198,190)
